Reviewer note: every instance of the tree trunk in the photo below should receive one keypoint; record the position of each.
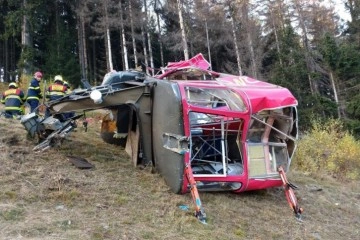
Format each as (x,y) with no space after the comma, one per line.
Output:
(57,29)
(82,47)
(183,33)
(94,61)
(109,63)
(333,84)
(122,31)
(208,42)
(149,39)
(309,61)
(237,52)
(145,50)
(13,59)
(110,66)
(277,42)
(275,29)
(248,28)
(252,55)
(133,35)
(160,40)
(26,41)
(6,67)
(83,60)
(84,52)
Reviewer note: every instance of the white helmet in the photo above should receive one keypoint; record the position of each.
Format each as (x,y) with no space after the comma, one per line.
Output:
(58,78)
(13,84)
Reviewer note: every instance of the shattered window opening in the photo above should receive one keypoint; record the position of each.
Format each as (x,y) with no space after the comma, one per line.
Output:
(270,141)
(215,98)
(214,145)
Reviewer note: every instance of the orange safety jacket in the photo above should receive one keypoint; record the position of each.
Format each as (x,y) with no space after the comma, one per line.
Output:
(56,91)
(13,99)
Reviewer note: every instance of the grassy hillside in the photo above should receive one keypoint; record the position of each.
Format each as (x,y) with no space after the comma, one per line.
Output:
(43,196)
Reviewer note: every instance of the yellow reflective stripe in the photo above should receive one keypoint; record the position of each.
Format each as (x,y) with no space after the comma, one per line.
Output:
(56,93)
(13,108)
(13,96)
(33,97)
(35,88)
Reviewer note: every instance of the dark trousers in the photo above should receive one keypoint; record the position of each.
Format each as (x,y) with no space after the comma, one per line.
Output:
(33,105)
(12,113)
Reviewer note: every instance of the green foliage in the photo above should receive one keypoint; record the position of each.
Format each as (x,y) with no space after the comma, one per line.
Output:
(353,28)
(281,53)
(289,70)
(353,107)
(315,107)
(353,125)
(13,20)
(293,73)
(349,61)
(329,148)
(62,58)
(329,50)
(24,62)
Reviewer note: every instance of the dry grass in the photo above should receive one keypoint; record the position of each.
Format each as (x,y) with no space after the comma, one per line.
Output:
(43,196)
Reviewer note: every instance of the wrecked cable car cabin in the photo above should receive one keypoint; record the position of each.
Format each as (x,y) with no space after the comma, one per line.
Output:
(202,130)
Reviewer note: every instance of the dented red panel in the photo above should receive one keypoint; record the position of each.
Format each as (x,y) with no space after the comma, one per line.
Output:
(197,61)
(261,95)
(273,98)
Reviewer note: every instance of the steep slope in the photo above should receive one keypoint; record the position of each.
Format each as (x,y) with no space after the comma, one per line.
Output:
(44,196)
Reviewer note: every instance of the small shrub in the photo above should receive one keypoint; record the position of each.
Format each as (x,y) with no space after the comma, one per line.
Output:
(329,148)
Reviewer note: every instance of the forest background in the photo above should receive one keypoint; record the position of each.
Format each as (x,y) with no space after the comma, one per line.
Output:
(299,44)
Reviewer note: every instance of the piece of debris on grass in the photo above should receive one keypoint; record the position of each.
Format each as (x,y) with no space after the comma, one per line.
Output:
(80,162)
(184,207)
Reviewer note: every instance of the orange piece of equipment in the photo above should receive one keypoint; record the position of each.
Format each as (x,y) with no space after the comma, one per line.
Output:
(199,211)
(289,193)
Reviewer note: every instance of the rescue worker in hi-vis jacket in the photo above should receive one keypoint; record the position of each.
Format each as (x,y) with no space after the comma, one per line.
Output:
(55,91)
(14,99)
(34,92)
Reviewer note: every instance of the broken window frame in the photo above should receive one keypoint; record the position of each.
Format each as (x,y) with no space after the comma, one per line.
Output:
(264,162)
(214,98)
(209,145)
